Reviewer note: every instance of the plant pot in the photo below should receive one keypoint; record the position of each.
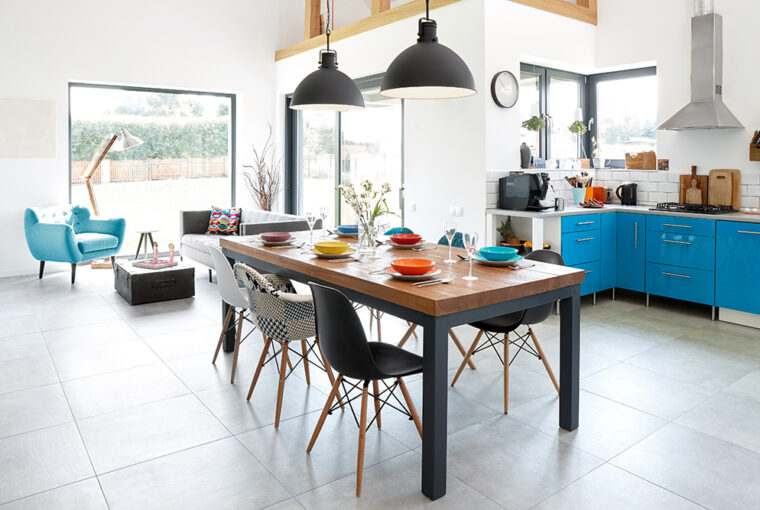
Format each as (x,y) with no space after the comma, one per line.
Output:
(599,162)
(525,155)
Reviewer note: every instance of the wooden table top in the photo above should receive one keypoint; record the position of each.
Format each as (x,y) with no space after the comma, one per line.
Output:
(494,284)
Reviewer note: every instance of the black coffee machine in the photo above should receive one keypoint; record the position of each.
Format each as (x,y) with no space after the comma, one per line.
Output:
(523,192)
(629,193)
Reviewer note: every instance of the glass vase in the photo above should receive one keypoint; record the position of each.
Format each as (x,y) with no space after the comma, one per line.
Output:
(366,238)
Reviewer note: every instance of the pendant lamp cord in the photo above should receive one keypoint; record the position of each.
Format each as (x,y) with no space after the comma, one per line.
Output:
(427,9)
(327,28)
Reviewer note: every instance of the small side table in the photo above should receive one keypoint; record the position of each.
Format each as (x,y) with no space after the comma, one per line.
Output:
(145,237)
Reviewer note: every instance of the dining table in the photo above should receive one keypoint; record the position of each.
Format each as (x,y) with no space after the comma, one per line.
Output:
(435,308)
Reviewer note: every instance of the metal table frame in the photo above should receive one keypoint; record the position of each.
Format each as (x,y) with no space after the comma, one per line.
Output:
(435,354)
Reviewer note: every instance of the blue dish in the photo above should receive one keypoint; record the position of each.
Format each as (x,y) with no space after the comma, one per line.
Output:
(515,258)
(348,229)
(498,253)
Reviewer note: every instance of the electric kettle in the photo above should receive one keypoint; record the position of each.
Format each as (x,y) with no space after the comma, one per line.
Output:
(628,195)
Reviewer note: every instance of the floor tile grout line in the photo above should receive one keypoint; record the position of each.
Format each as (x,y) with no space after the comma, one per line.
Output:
(658,485)
(449,473)
(6,503)
(568,485)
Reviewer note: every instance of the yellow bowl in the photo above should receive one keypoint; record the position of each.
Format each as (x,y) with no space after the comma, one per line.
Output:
(331,247)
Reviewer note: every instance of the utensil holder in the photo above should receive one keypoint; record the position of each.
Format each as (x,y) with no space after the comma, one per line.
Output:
(579,195)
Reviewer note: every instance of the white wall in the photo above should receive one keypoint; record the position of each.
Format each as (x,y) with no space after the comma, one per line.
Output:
(630,32)
(221,46)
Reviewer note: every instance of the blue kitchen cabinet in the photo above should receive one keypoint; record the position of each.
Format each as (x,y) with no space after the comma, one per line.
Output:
(685,283)
(682,250)
(737,266)
(631,252)
(581,247)
(608,269)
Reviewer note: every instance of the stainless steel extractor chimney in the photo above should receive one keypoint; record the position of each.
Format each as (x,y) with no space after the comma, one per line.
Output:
(706,110)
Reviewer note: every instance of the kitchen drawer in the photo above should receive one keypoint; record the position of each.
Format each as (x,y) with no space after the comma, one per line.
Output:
(681,250)
(581,247)
(737,266)
(683,283)
(593,274)
(581,222)
(677,225)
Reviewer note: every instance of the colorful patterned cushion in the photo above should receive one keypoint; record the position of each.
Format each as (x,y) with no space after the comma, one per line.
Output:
(223,221)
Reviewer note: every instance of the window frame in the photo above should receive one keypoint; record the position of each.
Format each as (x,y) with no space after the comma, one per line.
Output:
(135,88)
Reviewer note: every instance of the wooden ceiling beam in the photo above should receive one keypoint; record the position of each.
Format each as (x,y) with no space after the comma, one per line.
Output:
(312,21)
(379,6)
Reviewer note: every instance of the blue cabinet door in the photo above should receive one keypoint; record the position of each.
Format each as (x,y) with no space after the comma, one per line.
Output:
(581,247)
(681,250)
(631,252)
(686,283)
(608,273)
(737,266)
(593,273)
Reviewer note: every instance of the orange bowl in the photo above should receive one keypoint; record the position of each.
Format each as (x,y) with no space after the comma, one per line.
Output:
(412,266)
(406,238)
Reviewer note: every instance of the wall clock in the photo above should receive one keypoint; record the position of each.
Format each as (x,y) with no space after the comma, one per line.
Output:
(504,89)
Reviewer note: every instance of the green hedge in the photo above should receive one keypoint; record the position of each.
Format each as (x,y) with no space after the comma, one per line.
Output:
(192,139)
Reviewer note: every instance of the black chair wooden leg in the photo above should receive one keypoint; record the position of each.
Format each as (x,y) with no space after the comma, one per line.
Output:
(42,268)
(73,273)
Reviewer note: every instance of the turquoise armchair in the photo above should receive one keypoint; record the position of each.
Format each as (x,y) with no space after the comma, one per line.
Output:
(68,234)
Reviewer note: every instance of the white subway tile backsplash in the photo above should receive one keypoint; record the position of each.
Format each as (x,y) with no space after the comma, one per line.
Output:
(668,187)
(750,178)
(492,187)
(639,175)
(658,196)
(673,197)
(605,175)
(620,176)
(648,186)
(750,202)
(674,177)
(659,176)
(642,197)
(753,191)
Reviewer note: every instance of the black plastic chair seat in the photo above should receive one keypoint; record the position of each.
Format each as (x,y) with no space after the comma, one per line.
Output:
(393,361)
(501,324)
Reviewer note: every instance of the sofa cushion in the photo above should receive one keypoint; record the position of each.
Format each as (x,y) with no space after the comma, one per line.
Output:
(89,242)
(223,221)
(200,241)
(259,216)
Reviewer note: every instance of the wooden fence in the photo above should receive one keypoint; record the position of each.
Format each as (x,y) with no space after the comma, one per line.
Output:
(153,169)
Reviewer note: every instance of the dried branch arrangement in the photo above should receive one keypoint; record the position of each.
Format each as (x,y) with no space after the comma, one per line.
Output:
(264,180)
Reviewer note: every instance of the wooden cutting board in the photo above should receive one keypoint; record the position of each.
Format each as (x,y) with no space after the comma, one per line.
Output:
(685,183)
(721,187)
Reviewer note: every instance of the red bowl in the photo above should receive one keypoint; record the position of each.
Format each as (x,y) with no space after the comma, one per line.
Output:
(406,238)
(275,237)
(412,266)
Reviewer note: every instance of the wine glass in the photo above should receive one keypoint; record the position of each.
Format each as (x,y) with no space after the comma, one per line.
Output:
(311,220)
(471,245)
(323,216)
(450,229)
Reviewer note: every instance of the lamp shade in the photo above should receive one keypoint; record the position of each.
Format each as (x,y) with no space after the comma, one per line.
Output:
(126,141)
(428,70)
(327,89)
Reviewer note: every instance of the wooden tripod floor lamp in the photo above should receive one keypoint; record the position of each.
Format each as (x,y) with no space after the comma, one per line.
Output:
(120,141)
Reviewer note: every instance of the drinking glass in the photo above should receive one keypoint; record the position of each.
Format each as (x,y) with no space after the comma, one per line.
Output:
(450,229)
(323,216)
(471,246)
(311,219)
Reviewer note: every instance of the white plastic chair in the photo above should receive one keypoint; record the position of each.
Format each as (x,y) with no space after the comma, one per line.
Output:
(235,297)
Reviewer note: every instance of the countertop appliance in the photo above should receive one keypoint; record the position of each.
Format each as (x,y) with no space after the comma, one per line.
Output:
(523,192)
(627,193)
(693,208)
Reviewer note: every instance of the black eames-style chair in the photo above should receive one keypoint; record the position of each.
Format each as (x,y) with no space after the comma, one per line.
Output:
(498,329)
(347,350)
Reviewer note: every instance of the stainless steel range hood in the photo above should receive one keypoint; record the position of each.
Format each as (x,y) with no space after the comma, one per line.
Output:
(706,110)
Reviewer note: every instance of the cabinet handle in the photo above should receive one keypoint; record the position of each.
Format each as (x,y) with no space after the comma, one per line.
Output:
(586,223)
(677,275)
(748,232)
(636,235)
(677,226)
(584,239)
(675,242)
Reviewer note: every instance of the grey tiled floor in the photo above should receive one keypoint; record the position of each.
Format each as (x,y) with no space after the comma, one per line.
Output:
(103,405)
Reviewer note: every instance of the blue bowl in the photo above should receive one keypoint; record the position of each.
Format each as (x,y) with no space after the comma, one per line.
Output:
(498,253)
(348,229)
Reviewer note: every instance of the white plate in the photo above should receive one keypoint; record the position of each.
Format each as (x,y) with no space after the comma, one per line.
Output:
(412,277)
(343,255)
(339,234)
(405,246)
(496,263)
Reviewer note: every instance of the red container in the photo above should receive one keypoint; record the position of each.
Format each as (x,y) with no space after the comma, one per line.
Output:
(406,238)
(275,237)
(412,266)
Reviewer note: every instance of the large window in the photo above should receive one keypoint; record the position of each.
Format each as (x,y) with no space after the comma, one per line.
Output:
(330,148)
(185,161)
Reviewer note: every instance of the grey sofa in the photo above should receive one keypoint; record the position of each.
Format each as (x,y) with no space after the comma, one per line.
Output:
(195,242)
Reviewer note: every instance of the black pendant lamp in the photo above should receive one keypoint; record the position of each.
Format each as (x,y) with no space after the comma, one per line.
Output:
(327,88)
(428,70)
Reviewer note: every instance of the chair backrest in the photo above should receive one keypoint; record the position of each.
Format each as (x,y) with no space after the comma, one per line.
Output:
(540,313)
(341,335)
(226,281)
(457,242)
(398,230)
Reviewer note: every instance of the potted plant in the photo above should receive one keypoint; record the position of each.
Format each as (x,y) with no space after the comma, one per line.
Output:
(578,128)
(535,124)
(264,179)
(596,153)
(368,205)
(507,234)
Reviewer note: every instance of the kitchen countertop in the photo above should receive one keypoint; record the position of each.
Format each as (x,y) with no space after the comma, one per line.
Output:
(642,209)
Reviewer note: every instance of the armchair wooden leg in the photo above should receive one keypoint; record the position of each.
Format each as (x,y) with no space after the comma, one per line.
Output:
(237,345)
(362,438)
(264,352)
(414,333)
(376,393)
(305,362)
(461,349)
(544,360)
(281,385)
(379,329)
(73,273)
(410,405)
(325,411)
(329,371)
(42,268)
(506,373)
(409,332)
(467,357)
(227,318)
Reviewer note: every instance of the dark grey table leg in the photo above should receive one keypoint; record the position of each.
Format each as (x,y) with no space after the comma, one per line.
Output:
(569,359)
(434,408)
(229,335)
